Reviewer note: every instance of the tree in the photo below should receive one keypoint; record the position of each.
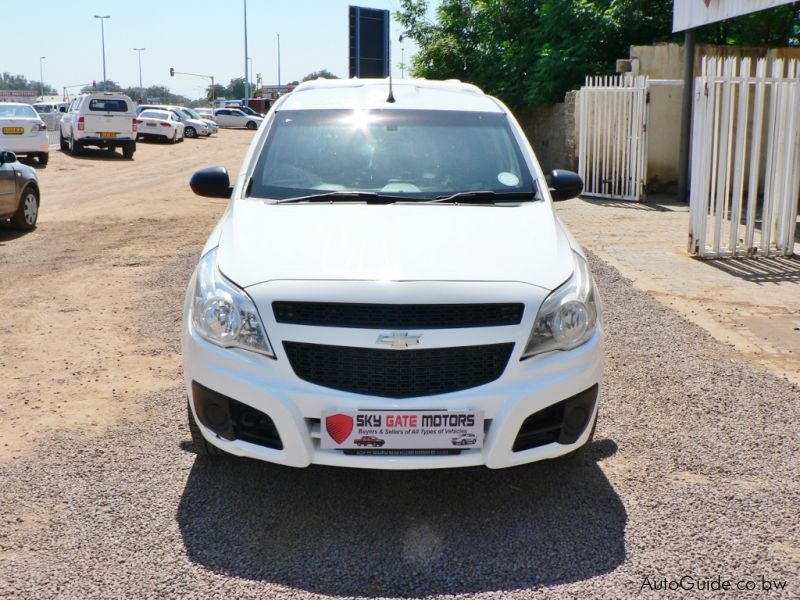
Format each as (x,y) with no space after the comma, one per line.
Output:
(20,82)
(533,51)
(235,88)
(215,91)
(323,74)
(111,86)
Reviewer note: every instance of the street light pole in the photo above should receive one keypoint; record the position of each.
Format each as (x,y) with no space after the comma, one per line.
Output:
(141,87)
(103,38)
(41,77)
(279,63)
(246,78)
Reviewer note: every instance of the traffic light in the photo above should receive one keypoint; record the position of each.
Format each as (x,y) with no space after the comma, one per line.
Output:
(171,72)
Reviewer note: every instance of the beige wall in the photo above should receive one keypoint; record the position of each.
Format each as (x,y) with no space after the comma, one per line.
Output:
(665,61)
(663,136)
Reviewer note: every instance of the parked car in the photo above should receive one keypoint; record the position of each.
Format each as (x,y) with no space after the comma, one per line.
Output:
(105,120)
(206,113)
(249,111)
(210,123)
(19,192)
(23,131)
(233,117)
(192,127)
(369,440)
(391,249)
(161,124)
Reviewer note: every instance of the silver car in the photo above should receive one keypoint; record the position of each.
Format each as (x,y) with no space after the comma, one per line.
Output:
(192,127)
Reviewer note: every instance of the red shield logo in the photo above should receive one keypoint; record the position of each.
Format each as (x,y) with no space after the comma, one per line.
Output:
(339,427)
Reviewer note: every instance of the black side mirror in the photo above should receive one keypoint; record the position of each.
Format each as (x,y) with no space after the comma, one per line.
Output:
(212,182)
(564,185)
(7,157)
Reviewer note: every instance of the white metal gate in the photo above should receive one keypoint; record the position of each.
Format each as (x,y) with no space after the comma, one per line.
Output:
(612,142)
(745,176)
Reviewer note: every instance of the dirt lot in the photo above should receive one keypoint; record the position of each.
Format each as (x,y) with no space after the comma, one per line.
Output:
(693,473)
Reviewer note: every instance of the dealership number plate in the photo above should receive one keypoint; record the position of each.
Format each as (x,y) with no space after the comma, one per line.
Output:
(107,135)
(401,430)
(13,130)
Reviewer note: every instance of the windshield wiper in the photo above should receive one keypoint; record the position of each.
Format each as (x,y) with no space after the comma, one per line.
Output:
(483,197)
(346,196)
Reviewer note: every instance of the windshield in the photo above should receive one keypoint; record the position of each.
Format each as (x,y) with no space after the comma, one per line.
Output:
(193,114)
(413,154)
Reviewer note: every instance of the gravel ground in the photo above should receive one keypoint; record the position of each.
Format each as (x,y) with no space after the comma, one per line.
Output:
(693,472)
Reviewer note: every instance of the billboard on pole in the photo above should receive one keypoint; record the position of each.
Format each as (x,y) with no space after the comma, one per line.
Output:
(688,14)
(369,42)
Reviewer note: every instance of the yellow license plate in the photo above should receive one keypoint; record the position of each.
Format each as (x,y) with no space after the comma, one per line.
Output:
(13,130)
(108,135)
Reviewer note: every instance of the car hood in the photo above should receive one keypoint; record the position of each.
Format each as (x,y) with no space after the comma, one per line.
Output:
(197,123)
(398,242)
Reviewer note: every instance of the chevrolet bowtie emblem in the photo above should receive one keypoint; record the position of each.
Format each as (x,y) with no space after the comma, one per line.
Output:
(399,341)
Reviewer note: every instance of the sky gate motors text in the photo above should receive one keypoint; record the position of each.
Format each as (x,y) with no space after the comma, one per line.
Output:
(406,420)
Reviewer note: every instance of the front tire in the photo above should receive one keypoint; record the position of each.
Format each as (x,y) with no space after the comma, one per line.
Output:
(27,211)
(252,125)
(190,132)
(62,142)
(201,446)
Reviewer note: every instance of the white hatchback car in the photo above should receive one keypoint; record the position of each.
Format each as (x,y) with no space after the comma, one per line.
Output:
(391,267)
(22,131)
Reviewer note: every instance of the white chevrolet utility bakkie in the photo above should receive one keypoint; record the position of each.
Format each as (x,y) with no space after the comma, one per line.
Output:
(105,120)
(390,268)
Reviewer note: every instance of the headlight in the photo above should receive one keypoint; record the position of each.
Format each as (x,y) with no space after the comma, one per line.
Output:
(223,314)
(568,316)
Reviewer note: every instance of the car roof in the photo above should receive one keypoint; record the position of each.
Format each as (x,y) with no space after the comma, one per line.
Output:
(420,94)
(156,110)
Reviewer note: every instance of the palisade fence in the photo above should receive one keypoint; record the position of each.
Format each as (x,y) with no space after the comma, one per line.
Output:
(612,142)
(745,158)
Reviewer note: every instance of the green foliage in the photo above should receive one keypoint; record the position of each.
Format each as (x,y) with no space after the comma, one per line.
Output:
(323,74)
(20,82)
(530,52)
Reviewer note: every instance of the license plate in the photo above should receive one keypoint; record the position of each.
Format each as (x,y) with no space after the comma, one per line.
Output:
(13,130)
(105,134)
(383,430)
(150,123)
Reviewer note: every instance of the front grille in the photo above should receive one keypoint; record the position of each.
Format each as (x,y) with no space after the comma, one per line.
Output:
(398,373)
(397,316)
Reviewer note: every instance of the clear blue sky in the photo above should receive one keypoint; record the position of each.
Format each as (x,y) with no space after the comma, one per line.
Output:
(198,36)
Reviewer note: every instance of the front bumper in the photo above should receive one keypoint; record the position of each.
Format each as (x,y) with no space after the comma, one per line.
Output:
(295,406)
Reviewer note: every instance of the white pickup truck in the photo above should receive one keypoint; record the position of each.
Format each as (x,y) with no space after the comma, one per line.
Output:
(105,120)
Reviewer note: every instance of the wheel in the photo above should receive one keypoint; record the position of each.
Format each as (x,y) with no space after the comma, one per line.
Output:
(43,157)
(28,210)
(190,132)
(252,125)
(174,137)
(201,446)
(62,142)
(128,150)
(74,145)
